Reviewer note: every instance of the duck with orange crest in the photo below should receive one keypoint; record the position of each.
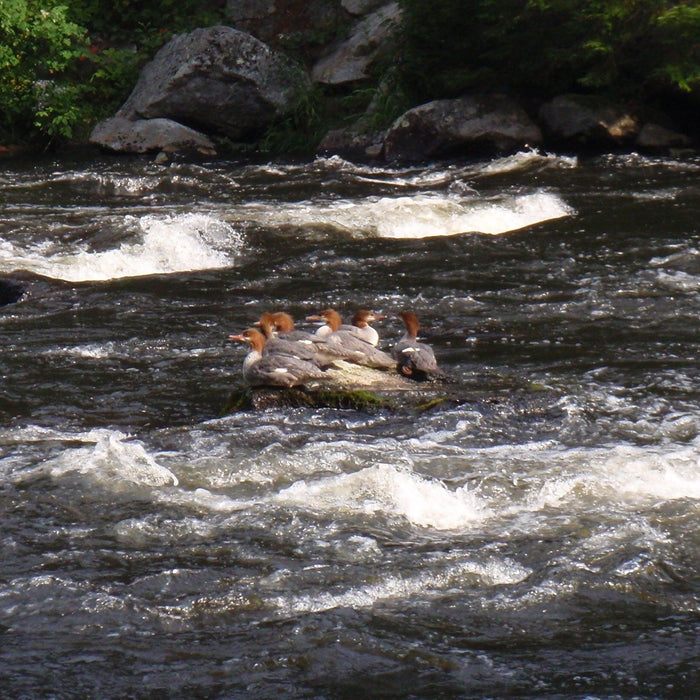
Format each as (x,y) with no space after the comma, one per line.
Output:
(295,343)
(273,369)
(414,359)
(337,343)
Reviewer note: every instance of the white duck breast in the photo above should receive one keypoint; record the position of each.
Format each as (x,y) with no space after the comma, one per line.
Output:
(362,329)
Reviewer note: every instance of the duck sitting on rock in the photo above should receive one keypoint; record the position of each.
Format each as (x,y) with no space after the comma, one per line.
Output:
(273,369)
(336,342)
(293,343)
(414,359)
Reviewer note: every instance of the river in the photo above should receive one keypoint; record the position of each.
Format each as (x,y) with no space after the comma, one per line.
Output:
(539,539)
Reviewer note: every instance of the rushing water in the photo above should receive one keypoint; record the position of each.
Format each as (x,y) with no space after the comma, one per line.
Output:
(523,543)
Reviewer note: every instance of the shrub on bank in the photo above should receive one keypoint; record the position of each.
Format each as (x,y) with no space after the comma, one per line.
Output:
(625,48)
(67,64)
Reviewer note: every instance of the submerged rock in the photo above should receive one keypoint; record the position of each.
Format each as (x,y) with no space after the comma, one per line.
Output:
(11,291)
(370,390)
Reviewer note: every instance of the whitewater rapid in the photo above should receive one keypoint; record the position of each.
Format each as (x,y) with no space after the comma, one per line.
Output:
(176,241)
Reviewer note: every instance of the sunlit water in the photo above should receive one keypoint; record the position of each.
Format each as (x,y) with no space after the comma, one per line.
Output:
(539,539)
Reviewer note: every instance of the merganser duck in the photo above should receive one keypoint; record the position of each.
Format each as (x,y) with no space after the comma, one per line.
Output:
(415,360)
(273,369)
(342,344)
(360,325)
(285,343)
(284,326)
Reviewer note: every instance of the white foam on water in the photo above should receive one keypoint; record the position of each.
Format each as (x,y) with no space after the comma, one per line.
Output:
(527,159)
(385,488)
(620,478)
(112,460)
(632,473)
(678,281)
(492,572)
(418,215)
(158,245)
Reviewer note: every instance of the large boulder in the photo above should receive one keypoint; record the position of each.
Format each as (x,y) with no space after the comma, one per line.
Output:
(589,121)
(217,80)
(466,126)
(147,135)
(351,60)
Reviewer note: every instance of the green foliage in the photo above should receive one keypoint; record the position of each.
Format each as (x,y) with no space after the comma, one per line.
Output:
(679,37)
(376,107)
(541,47)
(146,25)
(66,64)
(299,132)
(37,46)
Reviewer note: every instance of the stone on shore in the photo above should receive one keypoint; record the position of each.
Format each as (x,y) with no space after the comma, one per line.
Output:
(149,135)
(351,60)
(589,121)
(217,80)
(654,137)
(473,125)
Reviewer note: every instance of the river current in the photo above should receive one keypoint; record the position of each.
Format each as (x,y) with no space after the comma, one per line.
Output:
(536,540)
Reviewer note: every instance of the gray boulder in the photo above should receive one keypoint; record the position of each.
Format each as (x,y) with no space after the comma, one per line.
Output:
(217,80)
(466,126)
(587,120)
(147,135)
(351,60)
(654,137)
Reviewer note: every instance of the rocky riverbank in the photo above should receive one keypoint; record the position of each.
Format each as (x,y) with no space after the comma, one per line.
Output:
(227,85)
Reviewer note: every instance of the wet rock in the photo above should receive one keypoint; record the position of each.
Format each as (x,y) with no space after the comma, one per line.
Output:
(11,291)
(476,124)
(369,390)
(150,135)
(260,398)
(587,120)
(351,60)
(217,80)
(654,137)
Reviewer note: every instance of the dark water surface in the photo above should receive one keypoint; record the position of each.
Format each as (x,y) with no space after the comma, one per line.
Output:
(539,540)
